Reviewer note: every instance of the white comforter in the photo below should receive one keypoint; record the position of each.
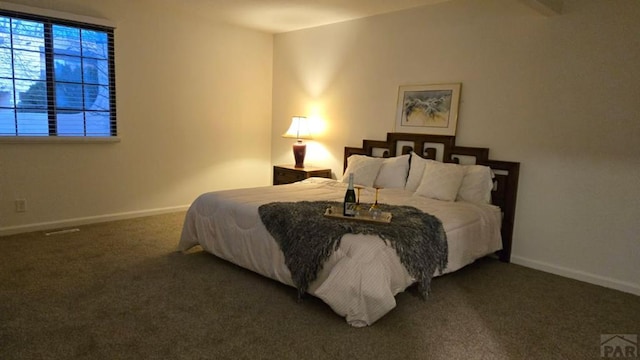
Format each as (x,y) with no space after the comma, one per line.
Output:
(359,281)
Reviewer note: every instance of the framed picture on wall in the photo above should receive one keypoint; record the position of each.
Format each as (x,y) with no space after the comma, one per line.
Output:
(428,109)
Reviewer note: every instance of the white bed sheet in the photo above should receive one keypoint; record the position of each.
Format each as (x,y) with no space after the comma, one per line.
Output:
(359,281)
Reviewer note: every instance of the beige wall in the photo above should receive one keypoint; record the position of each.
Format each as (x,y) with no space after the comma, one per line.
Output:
(194,114)
(559,94)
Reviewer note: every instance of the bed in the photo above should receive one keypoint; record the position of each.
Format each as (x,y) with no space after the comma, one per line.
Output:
(360,277)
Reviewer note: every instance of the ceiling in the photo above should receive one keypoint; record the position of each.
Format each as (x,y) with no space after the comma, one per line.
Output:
(277,16)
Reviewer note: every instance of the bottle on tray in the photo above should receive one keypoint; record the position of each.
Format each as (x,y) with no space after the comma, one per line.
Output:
(350,199)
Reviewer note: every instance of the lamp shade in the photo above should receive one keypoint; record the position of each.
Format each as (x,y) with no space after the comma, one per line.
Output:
(299,128)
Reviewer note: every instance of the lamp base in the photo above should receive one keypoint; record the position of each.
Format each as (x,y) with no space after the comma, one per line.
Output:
(299,151)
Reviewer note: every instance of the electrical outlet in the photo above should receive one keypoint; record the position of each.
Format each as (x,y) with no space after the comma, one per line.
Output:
(21,205)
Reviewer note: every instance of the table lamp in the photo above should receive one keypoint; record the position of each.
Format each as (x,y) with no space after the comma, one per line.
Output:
(299,130)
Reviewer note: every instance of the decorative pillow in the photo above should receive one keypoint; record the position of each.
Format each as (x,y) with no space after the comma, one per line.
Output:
(476,184)
(440,181)
(393,172)
(415,172)
(364,169)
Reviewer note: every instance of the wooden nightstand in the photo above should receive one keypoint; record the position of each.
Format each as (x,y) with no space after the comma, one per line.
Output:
(286,174)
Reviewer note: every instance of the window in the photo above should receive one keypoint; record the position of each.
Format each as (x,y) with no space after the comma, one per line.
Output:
(56,78)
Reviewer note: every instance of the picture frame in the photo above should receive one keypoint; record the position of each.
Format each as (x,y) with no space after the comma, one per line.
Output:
(428,109)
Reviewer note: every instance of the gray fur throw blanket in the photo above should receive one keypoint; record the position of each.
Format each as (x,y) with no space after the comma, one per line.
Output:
(307,238)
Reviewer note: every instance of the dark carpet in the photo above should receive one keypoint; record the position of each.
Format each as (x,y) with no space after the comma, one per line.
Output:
(118,290)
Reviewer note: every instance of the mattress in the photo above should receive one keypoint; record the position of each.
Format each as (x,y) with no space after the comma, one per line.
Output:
(360,279)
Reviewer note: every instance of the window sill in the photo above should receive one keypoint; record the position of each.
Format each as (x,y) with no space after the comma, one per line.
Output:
(57,139)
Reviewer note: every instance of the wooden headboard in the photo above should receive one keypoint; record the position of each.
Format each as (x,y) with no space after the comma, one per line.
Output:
(443,148)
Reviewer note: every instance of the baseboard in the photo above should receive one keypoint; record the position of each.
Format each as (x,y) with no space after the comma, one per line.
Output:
(11,230)
(578,275)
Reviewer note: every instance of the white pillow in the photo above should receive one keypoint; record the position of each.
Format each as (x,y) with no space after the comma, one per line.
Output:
(364,169)
(441,181)
(393,172)
(415,172)
(476,184)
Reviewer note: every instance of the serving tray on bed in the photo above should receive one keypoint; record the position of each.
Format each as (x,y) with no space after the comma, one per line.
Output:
(336,213)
